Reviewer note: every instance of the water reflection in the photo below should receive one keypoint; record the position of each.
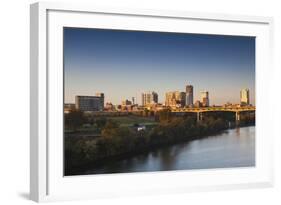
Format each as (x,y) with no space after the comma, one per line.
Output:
(238,131)
(233,148)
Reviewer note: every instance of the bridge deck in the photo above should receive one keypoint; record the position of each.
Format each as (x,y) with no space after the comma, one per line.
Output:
(215,109)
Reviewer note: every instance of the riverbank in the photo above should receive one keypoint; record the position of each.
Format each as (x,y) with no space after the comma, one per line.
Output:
(121,142)
(99,163)
(228,149)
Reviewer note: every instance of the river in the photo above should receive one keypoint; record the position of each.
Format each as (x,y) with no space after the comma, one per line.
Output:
(232,148)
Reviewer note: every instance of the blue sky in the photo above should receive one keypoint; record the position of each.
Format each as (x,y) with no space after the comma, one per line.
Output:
(122,64)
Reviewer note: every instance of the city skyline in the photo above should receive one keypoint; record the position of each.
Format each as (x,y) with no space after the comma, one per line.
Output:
(124,64)
(151,97)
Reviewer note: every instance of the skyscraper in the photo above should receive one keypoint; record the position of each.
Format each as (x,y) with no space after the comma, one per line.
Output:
(189,95)
(205,98)
(245,97)
(149,98)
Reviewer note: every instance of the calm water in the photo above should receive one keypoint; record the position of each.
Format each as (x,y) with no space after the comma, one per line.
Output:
(233,148)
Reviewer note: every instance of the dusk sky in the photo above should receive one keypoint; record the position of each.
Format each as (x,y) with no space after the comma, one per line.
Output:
(123,64)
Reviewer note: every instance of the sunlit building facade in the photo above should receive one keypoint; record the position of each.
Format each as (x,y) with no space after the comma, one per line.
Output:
(109,106)
(205,98)
(68,107)
(197,104)
(175,99)
(126,102)
(245,97)
(149,98)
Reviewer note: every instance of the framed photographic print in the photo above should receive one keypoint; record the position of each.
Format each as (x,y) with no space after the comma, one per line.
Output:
(128,101)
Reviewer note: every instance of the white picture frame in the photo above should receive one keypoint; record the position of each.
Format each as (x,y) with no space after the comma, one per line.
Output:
(47,182)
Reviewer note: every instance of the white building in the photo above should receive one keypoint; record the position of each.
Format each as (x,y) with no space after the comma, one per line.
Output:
(245,96)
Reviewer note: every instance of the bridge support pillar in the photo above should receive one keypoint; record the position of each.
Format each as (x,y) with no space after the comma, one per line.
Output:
(199,116)
(237,116)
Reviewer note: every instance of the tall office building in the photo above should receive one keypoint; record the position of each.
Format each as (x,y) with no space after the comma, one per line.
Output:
(245,97)
(189,95)
(149,98)
(205,98)
(175,99)
(90,103)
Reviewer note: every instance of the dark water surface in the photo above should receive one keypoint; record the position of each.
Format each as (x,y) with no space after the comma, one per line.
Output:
(232,148)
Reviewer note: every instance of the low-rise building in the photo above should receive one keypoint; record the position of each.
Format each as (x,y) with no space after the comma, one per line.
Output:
(109,106)
(197,104)
(68,107)
(205,98)
(90,103)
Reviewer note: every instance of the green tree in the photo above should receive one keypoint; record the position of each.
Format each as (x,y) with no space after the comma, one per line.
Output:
(164,115)
(110,129)
(101,122)
(74,120)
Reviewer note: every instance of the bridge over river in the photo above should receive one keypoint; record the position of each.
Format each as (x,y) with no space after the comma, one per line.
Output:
(201,110)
